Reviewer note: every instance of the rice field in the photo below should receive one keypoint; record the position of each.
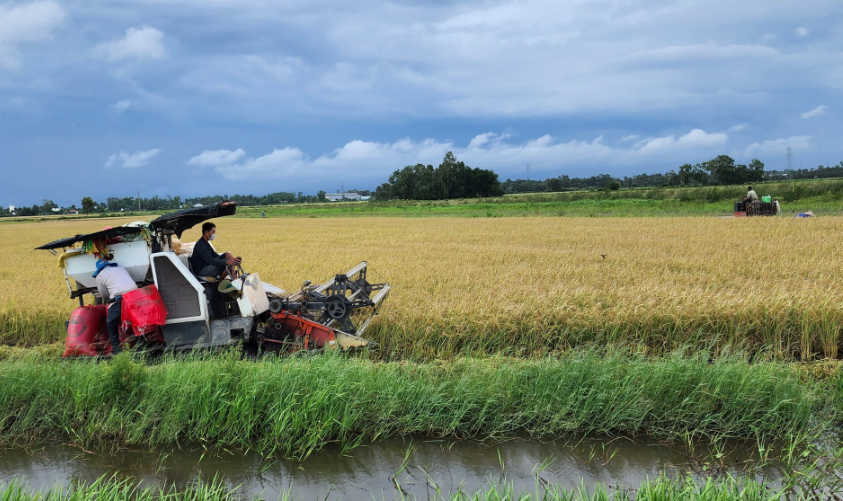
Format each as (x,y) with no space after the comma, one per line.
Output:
(517,286)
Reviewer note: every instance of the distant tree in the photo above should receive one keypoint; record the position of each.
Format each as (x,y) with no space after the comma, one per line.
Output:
(452,179)
(553,184)
(88,205)
(321,195)
(613,185)
(722,170)
(47,206)
(383,192)
(756,171)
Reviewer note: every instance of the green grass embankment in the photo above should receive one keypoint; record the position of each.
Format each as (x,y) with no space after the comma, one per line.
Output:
(296,406)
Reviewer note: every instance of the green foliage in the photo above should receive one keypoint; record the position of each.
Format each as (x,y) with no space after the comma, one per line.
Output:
(553,184)
(88,205)
(298,405)
(714,196)
(793,193)
(116,489)
(687,196)
(123,375)
(663,488)
(452,179)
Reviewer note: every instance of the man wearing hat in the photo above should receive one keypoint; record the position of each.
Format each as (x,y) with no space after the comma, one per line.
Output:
(113,281)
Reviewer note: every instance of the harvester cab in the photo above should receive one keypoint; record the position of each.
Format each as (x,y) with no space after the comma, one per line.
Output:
(333,314)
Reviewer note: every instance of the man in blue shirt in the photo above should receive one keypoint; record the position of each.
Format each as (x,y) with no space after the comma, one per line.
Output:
(205,261)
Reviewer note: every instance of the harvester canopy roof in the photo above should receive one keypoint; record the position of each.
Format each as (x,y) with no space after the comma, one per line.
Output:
(97,235)
(188,218)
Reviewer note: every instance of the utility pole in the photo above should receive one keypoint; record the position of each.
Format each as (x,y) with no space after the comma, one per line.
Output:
(528,172)
(789,154)
(343,190)
(138,199)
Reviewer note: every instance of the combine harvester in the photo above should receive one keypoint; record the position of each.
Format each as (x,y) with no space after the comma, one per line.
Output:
(767,206)
(333,314)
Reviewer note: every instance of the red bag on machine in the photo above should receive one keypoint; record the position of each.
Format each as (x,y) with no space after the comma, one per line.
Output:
(145,309)
(86,331)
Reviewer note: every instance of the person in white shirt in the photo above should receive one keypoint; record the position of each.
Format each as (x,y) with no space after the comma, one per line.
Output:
(113,281)
(751,196)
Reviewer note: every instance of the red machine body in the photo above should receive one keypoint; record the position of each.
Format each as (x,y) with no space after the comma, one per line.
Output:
(87,334)
(144,309)
(302,332)
(143,314)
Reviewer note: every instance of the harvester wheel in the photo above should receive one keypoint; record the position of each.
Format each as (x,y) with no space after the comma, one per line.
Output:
(336,308)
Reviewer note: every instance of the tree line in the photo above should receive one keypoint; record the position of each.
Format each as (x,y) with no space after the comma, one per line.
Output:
(721,170)
(451,179)
(821,172)
(163,204)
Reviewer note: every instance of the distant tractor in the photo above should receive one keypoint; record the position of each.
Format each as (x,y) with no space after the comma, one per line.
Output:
(767,206)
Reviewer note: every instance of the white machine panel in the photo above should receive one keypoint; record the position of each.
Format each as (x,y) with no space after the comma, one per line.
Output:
(253,300)
(134,256)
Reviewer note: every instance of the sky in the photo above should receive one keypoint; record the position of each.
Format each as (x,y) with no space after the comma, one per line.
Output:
(202,97)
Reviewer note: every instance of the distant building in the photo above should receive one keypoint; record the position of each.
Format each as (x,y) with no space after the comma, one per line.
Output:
(56,209)
(11,208)
(333,197)
(198,205)
(73,211)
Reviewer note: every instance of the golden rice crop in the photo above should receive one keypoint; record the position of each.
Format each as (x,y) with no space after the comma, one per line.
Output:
(522,285)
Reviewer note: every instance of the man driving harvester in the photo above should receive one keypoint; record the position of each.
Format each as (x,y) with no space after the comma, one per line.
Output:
(208,263)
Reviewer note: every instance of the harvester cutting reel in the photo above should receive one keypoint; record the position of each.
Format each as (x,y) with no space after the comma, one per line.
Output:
(335,313)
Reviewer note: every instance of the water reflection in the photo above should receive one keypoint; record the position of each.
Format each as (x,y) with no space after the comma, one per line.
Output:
(371,469)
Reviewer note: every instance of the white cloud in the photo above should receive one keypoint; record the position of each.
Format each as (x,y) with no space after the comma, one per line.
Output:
(802,31)
(631,137)
(140,43)
(738,127)
(703,51)
(28,22)
(697,138)
(779,146)
(371,161)
(131,160)
(768,37)
(819,110)
(216,158)
(481,139)
(121,106)
(280,163)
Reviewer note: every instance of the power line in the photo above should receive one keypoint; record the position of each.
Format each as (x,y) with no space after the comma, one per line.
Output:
(789,154)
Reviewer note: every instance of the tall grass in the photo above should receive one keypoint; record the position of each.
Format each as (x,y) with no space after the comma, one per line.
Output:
(114,489)
(660,489)
(296,406)
(522,286)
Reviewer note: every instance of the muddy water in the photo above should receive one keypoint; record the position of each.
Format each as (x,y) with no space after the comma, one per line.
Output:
(371,469)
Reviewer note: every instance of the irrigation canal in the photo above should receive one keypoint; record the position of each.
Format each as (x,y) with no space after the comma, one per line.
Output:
(373,469)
